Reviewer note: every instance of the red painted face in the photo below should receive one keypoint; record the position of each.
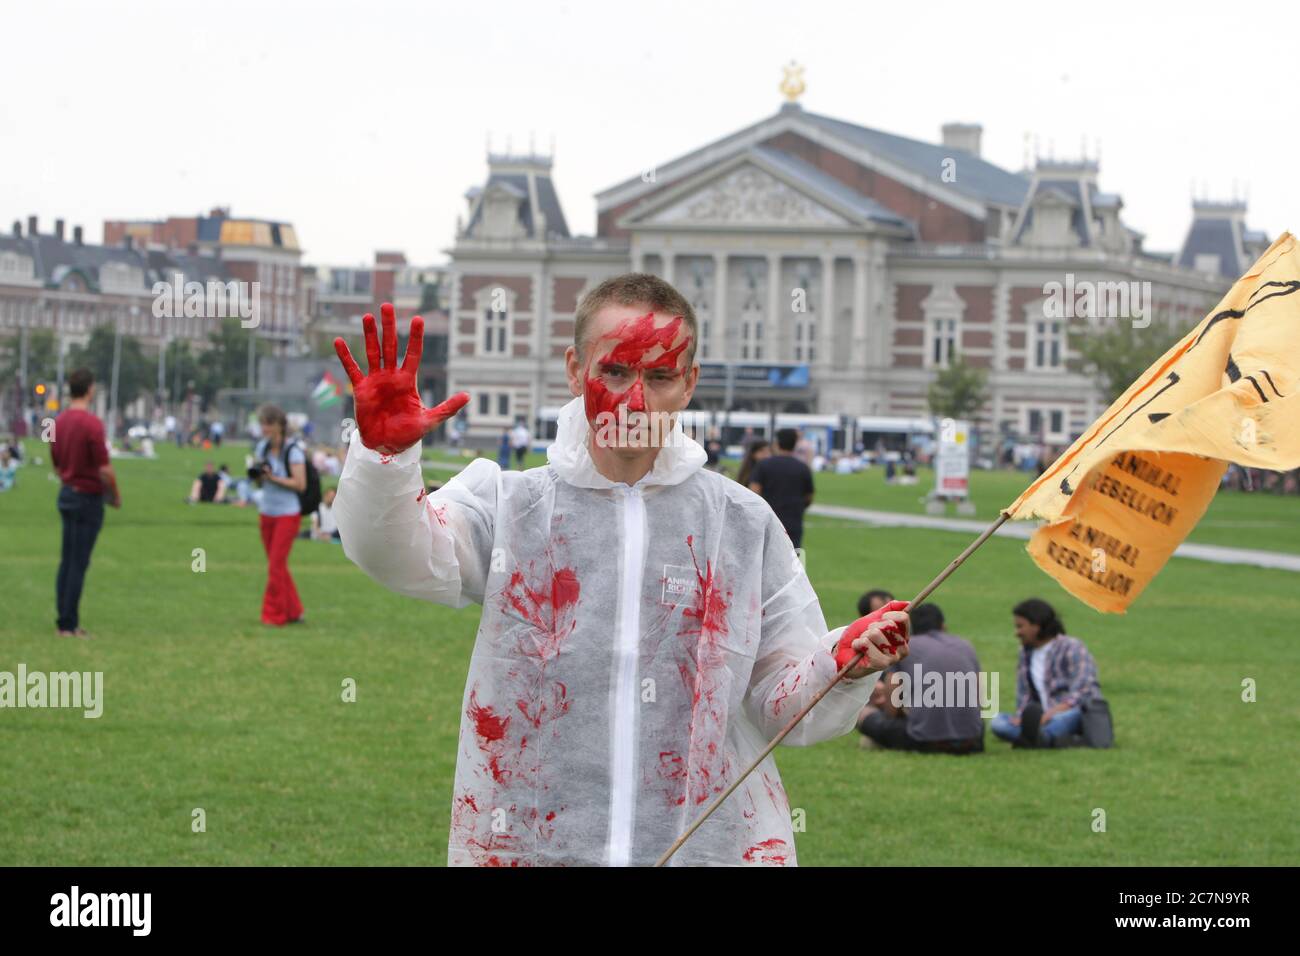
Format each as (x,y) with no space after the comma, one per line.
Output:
(635,360)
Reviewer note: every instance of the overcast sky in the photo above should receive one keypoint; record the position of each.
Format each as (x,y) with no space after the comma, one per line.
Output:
(364,123)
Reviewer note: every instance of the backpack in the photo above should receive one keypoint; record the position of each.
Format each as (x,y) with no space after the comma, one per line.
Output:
(1097,729)
(309,498)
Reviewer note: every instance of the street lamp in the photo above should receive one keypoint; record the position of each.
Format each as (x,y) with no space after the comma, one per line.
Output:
(162,364)
(117,365)
(57,322)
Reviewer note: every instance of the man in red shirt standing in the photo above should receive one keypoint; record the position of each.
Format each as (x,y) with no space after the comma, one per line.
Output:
(80,455)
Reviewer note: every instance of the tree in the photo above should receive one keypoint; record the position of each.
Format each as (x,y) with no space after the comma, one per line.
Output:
(225,363)
(1116,354)
(135,372)
(42,357)
(181,368)
(958,391)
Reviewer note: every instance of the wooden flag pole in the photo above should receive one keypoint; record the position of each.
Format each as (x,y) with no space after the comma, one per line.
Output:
(794,721)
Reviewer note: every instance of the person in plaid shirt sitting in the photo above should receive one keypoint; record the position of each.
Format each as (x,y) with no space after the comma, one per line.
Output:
(1055,678)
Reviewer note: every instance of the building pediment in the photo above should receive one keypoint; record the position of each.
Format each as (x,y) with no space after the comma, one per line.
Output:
(744,195)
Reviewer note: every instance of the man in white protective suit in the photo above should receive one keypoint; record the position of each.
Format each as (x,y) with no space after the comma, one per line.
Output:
(647,625)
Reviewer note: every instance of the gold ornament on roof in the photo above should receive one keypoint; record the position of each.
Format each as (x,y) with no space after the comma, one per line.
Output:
(793,85)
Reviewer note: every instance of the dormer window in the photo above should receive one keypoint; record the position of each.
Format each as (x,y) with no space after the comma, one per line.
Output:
(1206,262)
(15,267)
(120,277)
(499,218)
(1051,221)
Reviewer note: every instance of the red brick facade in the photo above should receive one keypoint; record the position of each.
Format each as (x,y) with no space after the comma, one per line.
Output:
(565,293)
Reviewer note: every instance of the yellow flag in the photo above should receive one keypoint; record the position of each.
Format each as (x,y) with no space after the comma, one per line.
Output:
(1127,492)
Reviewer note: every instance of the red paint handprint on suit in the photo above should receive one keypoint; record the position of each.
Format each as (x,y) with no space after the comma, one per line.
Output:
(390,415)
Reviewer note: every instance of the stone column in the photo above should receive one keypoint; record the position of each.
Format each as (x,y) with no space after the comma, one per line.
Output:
(1001,315)
(541,345)
(667,258)
(826,313)
(718,330)
(778,317)
(880,321)
(859,344)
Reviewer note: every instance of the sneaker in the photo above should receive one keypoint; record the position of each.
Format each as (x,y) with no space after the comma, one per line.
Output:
(82,633)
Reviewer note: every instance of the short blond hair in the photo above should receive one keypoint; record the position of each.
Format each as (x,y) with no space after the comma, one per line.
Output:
(635,288)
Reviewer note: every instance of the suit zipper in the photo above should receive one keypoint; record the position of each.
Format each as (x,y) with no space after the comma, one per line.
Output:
(622,796)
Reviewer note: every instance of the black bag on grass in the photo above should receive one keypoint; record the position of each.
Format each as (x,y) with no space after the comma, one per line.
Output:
(1098,731)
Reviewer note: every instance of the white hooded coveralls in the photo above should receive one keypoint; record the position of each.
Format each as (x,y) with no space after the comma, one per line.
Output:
(638,647)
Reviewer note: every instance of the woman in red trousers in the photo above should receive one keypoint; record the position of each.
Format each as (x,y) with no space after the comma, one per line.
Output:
(282,466)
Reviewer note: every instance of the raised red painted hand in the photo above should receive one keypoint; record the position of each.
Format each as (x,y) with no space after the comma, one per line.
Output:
(390,415)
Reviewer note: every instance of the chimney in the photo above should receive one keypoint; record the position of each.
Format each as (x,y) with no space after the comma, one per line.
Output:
(963,136)
(31,227)
(58,229)
(18,229)
(77,235)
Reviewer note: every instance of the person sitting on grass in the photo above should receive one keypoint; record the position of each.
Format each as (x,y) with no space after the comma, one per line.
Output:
(223,472)
(873,601)
(882,694)
(323,525)
(209,487)
(8,473)
(1055,679)
(904,713)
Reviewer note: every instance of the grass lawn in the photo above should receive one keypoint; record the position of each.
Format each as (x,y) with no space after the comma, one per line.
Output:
(206,709)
